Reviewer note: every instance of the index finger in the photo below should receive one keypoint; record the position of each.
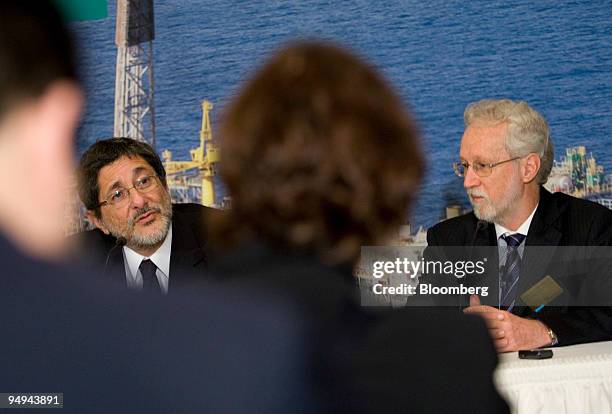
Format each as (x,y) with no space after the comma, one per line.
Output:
(486,312)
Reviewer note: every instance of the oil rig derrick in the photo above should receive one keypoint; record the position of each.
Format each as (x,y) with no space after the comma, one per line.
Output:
(134,86)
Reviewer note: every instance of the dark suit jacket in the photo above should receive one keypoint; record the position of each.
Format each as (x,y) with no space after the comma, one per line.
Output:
(375,360)
(108,351)
(560,220)
(190,249)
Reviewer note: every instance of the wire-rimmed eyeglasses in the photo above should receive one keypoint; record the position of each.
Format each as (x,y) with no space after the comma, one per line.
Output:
(119,196)
(479,168)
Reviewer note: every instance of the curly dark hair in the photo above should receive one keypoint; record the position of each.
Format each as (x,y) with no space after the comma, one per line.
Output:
(319,155)
(105,152)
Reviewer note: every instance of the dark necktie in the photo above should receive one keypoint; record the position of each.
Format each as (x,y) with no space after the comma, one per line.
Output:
(149,278)
(510,271)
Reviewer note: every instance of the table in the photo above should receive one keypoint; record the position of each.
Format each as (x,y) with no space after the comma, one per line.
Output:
(577,379)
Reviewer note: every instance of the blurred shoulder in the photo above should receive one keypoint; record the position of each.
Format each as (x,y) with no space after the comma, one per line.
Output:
(440,353)
(91,241)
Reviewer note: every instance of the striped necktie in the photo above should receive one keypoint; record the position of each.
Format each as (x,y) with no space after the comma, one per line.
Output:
(510,272)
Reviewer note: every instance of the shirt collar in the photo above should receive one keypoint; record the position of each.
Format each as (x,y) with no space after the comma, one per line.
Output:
(523,228)
(161,257)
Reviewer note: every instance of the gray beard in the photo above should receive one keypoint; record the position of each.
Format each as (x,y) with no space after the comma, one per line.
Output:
(487,214)
(137,241)
(495,214)
(144,241)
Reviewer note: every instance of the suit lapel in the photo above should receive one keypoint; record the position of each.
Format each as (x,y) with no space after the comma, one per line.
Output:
(116,265)
(487,240)
(486,236)
(109,257)
(188,258)
(543,231)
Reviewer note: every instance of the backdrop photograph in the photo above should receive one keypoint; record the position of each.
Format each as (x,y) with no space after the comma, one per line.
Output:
(439,55)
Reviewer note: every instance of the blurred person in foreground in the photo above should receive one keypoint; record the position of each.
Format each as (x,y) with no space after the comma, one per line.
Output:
(506,156)
(321,157)
(141,239)
(63,332)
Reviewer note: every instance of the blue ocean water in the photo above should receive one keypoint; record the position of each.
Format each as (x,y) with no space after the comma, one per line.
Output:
(440,55)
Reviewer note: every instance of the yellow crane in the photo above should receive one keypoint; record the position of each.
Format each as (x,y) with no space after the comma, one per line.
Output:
(194,180)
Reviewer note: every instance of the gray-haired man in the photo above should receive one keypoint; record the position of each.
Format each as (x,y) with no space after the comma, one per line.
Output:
(506,155)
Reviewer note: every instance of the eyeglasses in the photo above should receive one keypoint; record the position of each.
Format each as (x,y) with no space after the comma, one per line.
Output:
(480,169)
(120,196)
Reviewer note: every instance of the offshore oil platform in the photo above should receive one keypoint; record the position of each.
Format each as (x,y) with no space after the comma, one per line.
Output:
(193,181)
(578,174)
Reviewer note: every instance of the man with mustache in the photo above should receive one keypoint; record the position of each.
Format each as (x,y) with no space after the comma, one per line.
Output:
(105,349)
(141,238)
(506,156)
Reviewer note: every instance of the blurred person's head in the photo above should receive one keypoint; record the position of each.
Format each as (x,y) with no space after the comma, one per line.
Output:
(319,155)
(40,104)
(122,183)
(508,149)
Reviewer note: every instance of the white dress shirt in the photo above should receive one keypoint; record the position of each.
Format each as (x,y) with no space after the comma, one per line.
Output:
(161,259)
(522,229)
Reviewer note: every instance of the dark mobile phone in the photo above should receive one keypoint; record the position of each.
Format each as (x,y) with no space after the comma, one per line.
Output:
(536,354)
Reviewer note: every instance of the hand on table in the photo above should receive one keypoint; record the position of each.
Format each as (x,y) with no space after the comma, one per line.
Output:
(510,332)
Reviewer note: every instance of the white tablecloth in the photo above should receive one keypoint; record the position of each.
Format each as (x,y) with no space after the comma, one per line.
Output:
(577,379)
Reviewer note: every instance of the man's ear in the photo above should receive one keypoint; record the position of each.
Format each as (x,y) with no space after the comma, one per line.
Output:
(531,167)
(91,216)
